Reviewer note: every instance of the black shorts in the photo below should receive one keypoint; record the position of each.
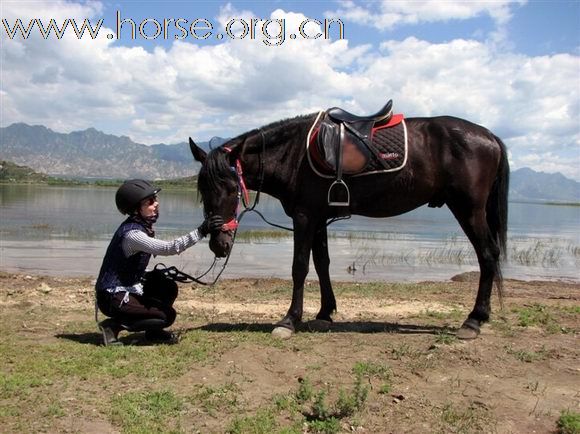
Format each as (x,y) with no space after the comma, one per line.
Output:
(159,294)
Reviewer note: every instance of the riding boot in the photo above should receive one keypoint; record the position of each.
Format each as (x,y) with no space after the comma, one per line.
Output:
(110,330)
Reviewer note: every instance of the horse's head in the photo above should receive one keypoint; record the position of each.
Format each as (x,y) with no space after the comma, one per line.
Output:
(218,186)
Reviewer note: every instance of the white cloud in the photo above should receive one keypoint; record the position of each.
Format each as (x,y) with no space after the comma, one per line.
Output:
(387,14)
(168,94)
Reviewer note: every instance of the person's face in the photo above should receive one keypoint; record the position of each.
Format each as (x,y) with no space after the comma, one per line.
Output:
(149,207)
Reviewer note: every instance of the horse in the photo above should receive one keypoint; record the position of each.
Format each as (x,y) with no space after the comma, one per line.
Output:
(451,161)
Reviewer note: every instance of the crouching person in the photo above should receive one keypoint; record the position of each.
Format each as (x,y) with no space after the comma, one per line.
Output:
(132,298)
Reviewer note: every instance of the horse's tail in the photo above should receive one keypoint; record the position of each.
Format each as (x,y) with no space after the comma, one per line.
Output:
(497,203)
(497,209)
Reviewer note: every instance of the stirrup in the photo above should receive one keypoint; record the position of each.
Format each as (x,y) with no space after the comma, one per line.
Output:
(338,187)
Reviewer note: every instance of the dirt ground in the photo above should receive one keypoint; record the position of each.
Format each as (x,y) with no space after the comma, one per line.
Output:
(394,342)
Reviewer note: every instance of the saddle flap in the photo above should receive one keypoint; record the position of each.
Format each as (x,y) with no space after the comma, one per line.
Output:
(355,155)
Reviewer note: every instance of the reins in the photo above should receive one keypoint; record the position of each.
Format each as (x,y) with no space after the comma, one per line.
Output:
(233,224)
(245,198)
(242,184)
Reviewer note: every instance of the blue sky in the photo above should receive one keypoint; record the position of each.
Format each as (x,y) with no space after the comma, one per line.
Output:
(512,66)
(536,28)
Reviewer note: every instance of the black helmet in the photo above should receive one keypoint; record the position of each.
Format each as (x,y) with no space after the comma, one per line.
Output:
(132,192)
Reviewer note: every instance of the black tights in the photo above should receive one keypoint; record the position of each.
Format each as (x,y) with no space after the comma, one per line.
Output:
(159,293)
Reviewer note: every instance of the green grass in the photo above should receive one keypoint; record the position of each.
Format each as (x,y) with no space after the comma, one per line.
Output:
(538,315)
(145,412)
(324,416)
(138,393)
(34,365)
(371,369)
(445,338)
(569,422)
(48,380)
(453,315)
(35,374)
(322,409)
(216,399)
(549,319)
(305,391)
(386,289)
(403,350)
(465,419)
(263,422)
(528,356)
(503,325)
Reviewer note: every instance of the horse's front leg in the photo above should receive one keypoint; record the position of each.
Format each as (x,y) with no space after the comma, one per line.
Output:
(322,264)
(303,234)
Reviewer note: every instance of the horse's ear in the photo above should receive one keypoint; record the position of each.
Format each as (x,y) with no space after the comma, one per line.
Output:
(198,153)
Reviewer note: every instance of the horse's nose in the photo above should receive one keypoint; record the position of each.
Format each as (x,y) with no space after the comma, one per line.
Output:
(221,248)
(226,246)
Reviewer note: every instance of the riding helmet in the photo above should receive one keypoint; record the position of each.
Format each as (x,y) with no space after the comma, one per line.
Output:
(132,192)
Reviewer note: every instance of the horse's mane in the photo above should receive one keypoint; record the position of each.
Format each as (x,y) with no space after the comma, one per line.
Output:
(217,168)
(274,130)
(216,171)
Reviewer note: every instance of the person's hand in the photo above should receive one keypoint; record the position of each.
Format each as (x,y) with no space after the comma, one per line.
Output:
(210,224)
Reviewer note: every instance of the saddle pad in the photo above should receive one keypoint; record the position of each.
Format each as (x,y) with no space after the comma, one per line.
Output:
(391,143)
(389,140)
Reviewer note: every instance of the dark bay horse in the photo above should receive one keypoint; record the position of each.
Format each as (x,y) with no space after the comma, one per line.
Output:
(450,162)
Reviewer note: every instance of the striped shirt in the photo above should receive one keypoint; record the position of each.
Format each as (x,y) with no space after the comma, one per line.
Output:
(137,241)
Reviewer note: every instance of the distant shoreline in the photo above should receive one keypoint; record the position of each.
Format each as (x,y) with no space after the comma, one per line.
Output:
(188,184)
(13,174)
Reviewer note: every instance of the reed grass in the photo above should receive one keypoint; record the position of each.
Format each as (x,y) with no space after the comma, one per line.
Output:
(540,253)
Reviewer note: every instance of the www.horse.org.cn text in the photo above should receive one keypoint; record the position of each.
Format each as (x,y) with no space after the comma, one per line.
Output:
(272,32)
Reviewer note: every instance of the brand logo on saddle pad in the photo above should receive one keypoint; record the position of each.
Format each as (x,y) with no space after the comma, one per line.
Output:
(389,155)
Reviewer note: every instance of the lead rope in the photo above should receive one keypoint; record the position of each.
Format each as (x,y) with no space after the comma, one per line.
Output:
(179,276)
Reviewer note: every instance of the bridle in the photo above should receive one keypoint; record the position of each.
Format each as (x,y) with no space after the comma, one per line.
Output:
(243,199)
(243,196)
(243,193)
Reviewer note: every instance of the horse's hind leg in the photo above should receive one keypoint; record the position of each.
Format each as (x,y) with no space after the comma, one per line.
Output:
(322,264)
(475,226)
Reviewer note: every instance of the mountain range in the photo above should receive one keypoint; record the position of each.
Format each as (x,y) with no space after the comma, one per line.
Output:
(94,154)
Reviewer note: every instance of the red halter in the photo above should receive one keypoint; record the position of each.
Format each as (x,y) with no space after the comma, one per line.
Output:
(233,224)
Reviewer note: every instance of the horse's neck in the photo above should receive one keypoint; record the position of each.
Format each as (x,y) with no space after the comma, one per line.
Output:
(280,159)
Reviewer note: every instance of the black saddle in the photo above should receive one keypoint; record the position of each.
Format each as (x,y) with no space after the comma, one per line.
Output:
(340,115)
(344,140)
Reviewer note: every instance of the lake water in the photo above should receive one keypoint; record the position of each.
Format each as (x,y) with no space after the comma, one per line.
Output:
(65,231)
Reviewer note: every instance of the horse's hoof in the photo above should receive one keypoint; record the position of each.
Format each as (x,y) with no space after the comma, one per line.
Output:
(319,325)
(282,333)
(469,330)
